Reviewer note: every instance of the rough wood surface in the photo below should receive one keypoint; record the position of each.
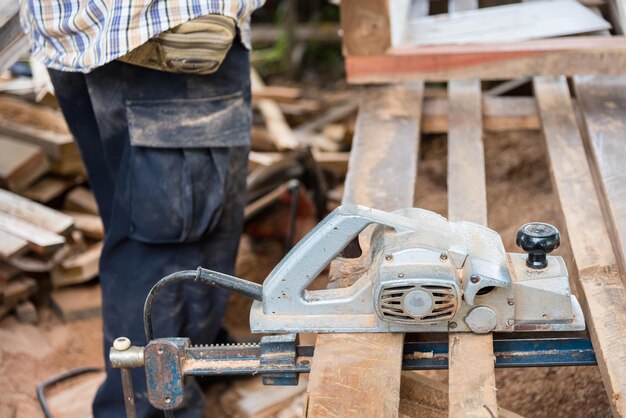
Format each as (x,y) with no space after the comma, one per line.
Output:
(79,268)
(20,164)
(471,365)
(508,23)
(40,240)
(366,26)
(602,102)
(90,225)
(585,55)
(11,245)
(35,213)
(601,290)
(47,189)
(359,374)
(81,199)
(423,397)
(38,125)
(77,302)
(500,114)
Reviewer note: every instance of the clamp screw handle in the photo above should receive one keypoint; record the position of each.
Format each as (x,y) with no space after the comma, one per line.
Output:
(538,239)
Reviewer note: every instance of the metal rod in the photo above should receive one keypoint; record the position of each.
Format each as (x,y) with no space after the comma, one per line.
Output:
(129,394)
(233,360)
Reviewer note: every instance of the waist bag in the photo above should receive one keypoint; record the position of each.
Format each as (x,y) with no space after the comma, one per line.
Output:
(194,47)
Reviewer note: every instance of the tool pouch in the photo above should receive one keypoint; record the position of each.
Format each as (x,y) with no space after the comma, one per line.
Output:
(195,47)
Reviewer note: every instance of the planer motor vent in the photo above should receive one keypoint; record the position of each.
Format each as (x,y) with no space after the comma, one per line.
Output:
(418,302)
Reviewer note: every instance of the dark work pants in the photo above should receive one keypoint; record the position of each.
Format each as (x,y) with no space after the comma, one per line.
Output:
(166,156)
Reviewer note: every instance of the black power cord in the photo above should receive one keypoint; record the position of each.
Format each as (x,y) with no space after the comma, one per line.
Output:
(202,276)
(41,388)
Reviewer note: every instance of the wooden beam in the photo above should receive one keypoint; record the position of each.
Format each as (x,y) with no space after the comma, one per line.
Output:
(421,396)
(366,26)
(35,213)
(602,103)
(472,388)
(38,125)
(359,374)
(585,55)
(20,164)
(601,290)
(40,240)
(506,23)
(500,114)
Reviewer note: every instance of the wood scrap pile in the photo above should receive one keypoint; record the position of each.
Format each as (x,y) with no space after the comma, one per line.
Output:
(301,139)
(50,231)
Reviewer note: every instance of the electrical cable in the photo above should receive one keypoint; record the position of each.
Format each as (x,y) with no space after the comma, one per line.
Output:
(202,276)
(57,379)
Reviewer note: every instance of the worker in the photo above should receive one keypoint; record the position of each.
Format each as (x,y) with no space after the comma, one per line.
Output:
(157,96)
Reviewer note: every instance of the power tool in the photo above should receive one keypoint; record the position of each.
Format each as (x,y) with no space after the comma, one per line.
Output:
(420,274)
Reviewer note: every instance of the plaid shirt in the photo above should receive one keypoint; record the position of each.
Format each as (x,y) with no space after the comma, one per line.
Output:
(80,35)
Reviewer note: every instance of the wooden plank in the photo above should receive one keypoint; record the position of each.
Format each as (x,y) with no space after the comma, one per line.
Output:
(277,126)
(348,369)
(15,292)
(601,290)
(471,366)
(90,225)
(421,396)
(11,245)
(79,268)
(617,9)
(35,213)
(38,125)
(40,240)
(500,114)
(20,164)
(276,93)
(81,199)
(602,101)
(366,26)
(77,302)
(509,23)
(261,401)
(585,55)
(47,189)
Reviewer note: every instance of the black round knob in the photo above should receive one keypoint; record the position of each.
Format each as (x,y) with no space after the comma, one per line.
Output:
(538,239)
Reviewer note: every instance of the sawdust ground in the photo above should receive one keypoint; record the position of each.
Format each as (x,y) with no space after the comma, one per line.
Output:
(519,190)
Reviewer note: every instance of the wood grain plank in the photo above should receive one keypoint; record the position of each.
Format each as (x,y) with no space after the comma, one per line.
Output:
(35,213)
(584,55)
(472,388)
(424,397)
(41,240)
(20,164)
(602,101)
(10,245)
(508,23)
(39,126)
(601,290)
(500,114)
(348,369)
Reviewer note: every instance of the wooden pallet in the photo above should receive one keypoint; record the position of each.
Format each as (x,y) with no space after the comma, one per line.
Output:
(359,374)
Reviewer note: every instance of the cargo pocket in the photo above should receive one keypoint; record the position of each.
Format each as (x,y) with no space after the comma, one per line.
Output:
(179,158)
